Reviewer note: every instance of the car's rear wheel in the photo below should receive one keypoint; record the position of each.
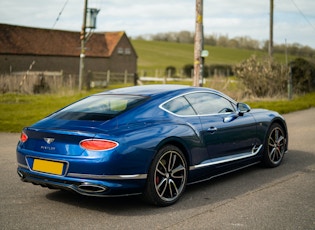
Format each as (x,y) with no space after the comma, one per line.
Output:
(167,176)
(275,146)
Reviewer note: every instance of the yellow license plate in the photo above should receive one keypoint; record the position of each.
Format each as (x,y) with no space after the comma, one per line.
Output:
(48,166)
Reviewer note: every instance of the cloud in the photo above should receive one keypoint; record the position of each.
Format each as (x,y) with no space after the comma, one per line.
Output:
(293,20)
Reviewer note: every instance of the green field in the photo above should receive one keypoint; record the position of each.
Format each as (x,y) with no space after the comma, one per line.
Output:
(153,55)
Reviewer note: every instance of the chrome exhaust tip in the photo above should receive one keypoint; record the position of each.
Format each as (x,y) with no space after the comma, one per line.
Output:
(91,188)
(20,174)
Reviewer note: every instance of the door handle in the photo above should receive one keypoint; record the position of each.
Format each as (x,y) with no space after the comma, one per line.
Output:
(212,129)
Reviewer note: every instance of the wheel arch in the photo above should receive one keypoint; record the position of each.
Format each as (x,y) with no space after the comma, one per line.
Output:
(151,190)
(283,125)
(179,144)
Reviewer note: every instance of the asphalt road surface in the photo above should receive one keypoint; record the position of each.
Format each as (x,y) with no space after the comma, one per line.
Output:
(254,198)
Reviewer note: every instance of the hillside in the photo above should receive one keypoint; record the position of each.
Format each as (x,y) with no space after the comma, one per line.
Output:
(156,55)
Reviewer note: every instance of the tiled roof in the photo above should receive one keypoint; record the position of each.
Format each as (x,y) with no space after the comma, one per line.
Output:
(35,41)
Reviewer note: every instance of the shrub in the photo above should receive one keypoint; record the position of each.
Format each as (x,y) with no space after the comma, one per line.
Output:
(188,69)
(41,86)
(170,71)
(220,70)
(303,76)
(262,78)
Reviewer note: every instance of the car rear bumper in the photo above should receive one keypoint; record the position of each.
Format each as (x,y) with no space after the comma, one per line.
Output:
(102,187)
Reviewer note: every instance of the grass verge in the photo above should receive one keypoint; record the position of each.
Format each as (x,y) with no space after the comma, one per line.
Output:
(286,106)
(18,111)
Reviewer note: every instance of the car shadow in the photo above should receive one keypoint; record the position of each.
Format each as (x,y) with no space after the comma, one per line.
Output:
(213,192)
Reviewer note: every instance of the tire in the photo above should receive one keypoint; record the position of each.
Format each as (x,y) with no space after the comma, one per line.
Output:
(275,145)
(167,177)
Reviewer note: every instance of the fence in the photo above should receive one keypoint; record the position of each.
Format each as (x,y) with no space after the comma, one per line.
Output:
(35,82)
(103,79)
(208,71)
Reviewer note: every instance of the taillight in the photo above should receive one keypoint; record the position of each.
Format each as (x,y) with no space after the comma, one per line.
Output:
(23,137)
(98,144)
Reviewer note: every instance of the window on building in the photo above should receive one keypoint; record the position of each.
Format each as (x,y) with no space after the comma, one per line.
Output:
(120,50)
(127,51)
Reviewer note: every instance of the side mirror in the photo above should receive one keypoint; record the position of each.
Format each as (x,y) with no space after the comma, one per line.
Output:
(242,108)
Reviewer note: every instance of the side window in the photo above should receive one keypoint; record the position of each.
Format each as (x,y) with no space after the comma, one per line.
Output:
(208,103)
(179,106)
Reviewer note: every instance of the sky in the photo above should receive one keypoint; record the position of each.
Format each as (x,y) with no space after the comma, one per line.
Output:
(294,20)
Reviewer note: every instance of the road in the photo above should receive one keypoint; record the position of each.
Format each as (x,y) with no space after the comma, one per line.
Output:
(254,198)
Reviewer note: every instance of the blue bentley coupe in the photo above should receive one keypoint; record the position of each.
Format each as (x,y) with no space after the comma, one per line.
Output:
(150,140)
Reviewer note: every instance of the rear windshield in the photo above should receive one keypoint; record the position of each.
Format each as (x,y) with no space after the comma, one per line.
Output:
(99,107)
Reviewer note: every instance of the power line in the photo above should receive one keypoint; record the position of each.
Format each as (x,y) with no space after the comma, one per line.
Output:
(306,19)
(57,19)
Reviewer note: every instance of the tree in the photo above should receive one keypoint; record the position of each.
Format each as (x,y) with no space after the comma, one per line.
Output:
(185,37)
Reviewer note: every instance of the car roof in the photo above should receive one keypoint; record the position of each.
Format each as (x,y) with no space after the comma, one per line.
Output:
(147,90)
(157,90)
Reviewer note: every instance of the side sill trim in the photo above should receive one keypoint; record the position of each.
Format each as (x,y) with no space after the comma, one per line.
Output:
(224,173)
(108,177)
(221,160)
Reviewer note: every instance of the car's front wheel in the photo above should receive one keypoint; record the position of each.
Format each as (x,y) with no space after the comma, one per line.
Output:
(275,146)
(167,176)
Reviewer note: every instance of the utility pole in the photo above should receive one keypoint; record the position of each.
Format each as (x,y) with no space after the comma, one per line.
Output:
(289,72)
(271,30)
(82,38)
(198,47)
